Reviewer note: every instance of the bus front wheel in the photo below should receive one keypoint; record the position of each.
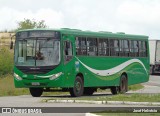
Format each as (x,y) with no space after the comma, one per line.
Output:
(78,88)
(36,92)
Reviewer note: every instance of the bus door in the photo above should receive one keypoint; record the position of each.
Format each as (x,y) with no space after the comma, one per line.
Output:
(68,63)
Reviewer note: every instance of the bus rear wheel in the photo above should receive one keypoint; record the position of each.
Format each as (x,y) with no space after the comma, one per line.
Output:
(36,92)
(122,88)
(123,84)
(78,88)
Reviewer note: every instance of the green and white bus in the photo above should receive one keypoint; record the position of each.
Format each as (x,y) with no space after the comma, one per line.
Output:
(79,61)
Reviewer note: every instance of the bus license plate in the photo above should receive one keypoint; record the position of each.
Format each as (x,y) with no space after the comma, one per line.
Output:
(35,83)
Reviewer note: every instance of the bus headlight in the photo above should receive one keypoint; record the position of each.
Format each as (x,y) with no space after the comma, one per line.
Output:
(17,77)
(55,76)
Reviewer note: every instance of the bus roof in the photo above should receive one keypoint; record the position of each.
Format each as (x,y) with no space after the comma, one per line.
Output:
(102,34)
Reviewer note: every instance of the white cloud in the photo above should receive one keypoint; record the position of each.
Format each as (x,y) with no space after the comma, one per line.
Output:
(10,17)
(132,11)
(140,17)
(135,17)
(54,19)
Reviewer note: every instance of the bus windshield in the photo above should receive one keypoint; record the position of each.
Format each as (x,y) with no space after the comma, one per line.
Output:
(37,52)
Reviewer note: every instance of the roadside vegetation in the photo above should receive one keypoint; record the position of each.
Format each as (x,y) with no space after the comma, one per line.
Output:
(6,74)
(6,61)
(135,87)
(7,87)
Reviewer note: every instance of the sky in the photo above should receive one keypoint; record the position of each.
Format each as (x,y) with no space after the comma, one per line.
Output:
(130,16)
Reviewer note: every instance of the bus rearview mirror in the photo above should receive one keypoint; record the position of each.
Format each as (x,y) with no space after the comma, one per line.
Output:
(11,45)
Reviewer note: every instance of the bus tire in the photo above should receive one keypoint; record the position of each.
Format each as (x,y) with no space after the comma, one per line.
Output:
(123,84)
(78,88)
(88,91)
(114,90)
(36,92)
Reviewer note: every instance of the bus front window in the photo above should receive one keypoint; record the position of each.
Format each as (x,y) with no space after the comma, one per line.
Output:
(37,52)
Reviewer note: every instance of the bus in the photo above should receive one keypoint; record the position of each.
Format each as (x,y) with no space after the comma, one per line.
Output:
(79,61)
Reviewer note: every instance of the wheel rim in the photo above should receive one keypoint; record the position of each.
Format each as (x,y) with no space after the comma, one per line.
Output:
(77,87)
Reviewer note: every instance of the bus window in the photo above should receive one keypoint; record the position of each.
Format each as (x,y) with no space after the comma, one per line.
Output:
(81,46)
(126,47)
(68,53)
(103,47)
(121,48)
(92,46)
(143,49)
(106,47)
(140,48)
(111,45)
(100,47)
(131,48)
(136,49)
(114,45)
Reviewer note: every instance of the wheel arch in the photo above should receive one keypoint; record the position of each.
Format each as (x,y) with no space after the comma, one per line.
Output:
(124,73)
(81,75)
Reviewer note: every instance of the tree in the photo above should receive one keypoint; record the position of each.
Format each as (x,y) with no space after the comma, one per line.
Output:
(31,24)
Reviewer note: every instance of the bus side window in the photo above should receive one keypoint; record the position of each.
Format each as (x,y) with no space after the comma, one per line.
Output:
(126,48)
(144,48)
(131,44)
(136,54)
(121,48)
(68,53)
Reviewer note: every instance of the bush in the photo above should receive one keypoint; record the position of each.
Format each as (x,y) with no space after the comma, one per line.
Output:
(6,61)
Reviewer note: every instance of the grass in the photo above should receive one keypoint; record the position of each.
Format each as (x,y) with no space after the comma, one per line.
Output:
(135,87)
(8,89)
(119,97)
(6,60)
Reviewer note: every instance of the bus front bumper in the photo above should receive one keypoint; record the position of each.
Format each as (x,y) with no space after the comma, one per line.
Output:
(27,83)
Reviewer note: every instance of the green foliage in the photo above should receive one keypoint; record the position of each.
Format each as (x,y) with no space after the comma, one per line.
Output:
(135,97)
(6,61)
(31,24)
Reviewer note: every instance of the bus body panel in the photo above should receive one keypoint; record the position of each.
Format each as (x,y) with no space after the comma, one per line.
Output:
(136,73)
